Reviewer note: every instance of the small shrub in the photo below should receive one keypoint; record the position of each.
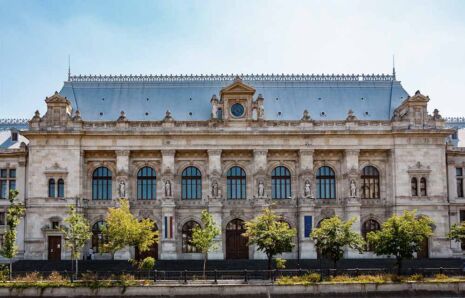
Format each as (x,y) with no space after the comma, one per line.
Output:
(360,279)
(56,277)
(30,277)
(306,279)
(88,276)
(4,273)
(127,280)
(415,277)
(280,263)
(440,276)
(147,264)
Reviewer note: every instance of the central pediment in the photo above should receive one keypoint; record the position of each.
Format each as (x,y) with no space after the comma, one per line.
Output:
(238,87)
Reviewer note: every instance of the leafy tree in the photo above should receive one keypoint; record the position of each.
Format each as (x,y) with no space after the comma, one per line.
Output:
(14,214)
(271,235)
(334,235)
(203,238)
(457,232)
(401,236)
(76,234)
(123,229)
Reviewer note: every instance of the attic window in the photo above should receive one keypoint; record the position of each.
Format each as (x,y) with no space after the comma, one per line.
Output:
(103,99)
(362,98)
(319,98)
(366,113)
(279,113)
(190,98)
(147,99)
(146,113)
(323,114)
(14,136)
(101,113)
(190,113)
(277,98)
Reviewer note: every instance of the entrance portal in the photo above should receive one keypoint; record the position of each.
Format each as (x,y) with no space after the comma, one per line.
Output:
(152,252)
(54,248)
(236,244)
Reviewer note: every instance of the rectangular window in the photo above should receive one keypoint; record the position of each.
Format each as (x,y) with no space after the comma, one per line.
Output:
(171,227)
(2,218)
(3,190)
(12,173)
(307,226)
(2,173)
(459,176)
(166,227)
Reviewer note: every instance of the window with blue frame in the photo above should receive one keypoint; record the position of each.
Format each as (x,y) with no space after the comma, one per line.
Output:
(326,183)
(280,183)
(191,184)
(61,188)
(101,184)
(146,184)
(51,188)
(236,183)
(307,226)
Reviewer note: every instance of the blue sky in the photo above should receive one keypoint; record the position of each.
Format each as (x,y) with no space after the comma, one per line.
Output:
(172,37)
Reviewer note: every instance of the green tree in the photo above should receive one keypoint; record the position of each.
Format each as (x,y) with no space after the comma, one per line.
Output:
(270,233)
(14,214)
(401,236)
(123,229)
(334,235)
(457,232)
(203,238)
(76,234)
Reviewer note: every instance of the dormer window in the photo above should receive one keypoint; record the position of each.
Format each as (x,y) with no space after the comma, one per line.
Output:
(14,136)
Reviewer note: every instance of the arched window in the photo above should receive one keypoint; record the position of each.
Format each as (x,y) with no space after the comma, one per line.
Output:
(187,228)
(101,184)
(290,227)
(191,183)
(236,183)
(326,183)
(51,188)
(368,226)
(423,192)
(370,183)
(414,185)
(146,184)
(280,183)
(98,239)
(61,188)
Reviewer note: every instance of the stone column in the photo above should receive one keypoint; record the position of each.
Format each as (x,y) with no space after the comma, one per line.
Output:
(352,194)
(21,188)
(215,207)
(306,202)
(168,230)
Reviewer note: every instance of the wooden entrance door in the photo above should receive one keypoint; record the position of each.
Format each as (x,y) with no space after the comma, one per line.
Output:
(236,244)
(54,248)
(423,253)
(152,252)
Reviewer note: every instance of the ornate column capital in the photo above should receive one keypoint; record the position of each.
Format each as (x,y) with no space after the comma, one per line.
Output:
(306,152)
(352,151)
(122,152)
(212,152)
(168,152)
(260,152)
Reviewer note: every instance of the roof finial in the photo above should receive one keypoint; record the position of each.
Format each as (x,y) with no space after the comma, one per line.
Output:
(393,67)
(69,67)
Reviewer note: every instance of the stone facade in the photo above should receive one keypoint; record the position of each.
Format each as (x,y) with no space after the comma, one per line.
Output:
(412,145)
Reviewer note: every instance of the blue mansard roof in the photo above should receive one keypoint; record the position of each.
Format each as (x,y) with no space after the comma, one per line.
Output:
(326,97)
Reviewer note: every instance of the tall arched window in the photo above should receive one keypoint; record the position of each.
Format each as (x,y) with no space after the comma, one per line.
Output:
(236,183)
(101,184)
(326,183)
(423,192)
(280,183)
(187,228)
(61,188)
(51,188)
(98,239)
(146,184)
(370,183)
(414,186)
(191,184)
(368,226)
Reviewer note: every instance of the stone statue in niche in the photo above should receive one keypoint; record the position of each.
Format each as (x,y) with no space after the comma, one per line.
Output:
(216,192)
(261,189)
(167,188)
(307,189)
(353,188)
(122,189)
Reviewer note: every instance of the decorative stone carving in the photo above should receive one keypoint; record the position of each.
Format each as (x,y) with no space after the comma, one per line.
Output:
(308,190)
(214,103)
(145,213)
(168,192)
(436,115)
(261,189)
(260,107)
(351,116)
(306,116)
(168,117)
(122,189)
(327,213)
(353,188)
(122,117)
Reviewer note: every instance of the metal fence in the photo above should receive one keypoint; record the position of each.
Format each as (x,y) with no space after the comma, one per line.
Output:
(214,276)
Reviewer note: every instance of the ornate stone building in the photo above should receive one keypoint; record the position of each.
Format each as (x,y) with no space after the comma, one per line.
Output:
(310,146)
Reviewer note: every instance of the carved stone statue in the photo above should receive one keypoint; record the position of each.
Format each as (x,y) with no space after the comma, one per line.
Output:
(122,189)
(167,188)
(261,189)
(307,189)
(215,189)
(353,188)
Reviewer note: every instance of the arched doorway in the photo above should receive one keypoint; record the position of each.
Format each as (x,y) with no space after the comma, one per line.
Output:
(423,253)
(236,244)
(151,252)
